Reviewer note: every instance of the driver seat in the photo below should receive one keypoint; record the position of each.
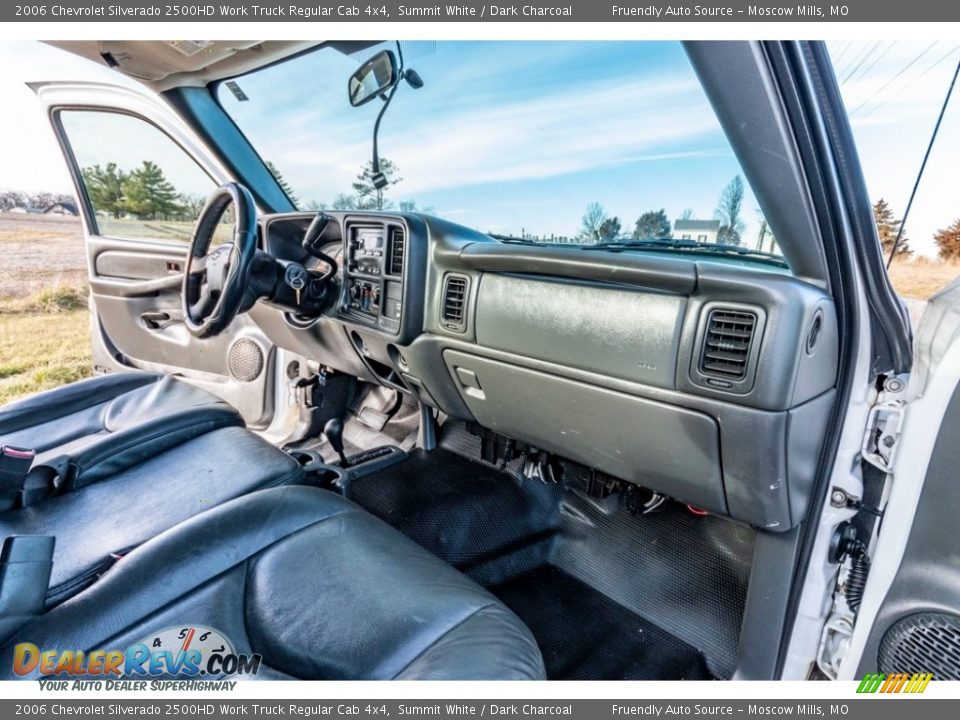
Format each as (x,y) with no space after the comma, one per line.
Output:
(78,434)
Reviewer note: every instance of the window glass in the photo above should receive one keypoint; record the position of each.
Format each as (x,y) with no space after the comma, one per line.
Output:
(139,182)
(562,142)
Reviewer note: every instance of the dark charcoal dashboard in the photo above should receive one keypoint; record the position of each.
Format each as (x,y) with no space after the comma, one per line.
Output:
(373,273)
(698,378)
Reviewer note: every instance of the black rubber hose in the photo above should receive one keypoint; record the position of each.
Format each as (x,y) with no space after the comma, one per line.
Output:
(857,577)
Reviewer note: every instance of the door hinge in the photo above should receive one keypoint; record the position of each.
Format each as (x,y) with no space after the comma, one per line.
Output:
(882,436)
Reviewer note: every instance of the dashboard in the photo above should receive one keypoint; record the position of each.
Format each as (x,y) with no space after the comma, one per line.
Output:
(697,378)
(373,274)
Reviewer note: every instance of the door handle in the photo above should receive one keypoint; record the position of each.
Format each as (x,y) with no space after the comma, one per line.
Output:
(159,319)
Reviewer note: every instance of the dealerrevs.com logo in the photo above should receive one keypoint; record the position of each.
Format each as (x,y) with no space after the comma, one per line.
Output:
(181,652)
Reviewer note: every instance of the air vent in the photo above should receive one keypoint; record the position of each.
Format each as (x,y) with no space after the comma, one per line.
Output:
(454,302)
(726,346)
(398,243)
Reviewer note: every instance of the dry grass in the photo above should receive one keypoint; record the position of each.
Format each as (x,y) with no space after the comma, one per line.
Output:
(921,278)
(46,341)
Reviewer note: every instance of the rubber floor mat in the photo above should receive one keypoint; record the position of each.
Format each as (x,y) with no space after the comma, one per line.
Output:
(483,522)
(583,635)
(669,569)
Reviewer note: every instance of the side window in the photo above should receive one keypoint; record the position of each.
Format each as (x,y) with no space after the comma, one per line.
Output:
(139,182)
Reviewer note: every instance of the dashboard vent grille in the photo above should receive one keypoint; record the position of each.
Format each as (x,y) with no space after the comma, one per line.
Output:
(454,301)
(397,247)
(726,347)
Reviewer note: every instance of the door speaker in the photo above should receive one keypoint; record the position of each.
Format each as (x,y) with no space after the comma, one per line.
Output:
(927,642)
(245,360)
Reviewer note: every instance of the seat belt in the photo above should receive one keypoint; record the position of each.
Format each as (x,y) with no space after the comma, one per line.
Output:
(14,467)
(25,565)
(22,483)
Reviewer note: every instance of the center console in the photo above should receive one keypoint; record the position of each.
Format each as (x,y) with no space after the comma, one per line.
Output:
(374,274)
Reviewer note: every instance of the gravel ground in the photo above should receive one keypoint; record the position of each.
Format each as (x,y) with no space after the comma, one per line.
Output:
(38,252)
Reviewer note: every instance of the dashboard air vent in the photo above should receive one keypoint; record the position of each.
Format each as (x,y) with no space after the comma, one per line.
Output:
(726,346)
(454,302)
(397,247)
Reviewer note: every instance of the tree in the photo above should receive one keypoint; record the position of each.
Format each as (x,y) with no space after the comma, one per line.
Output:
(105,188)
(687,214)
(728,212)
(370,197)
(344,202)
(888,227)
(651,225)
(10,199)
(149,195)
(948,241)
(410,206)
(609,229)
(591,222)
(191,205)
(282,182)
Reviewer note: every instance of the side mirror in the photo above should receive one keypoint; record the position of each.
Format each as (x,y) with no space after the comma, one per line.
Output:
(373,78)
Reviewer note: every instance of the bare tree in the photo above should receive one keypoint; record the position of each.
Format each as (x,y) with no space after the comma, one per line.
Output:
(729,213)
(591,222)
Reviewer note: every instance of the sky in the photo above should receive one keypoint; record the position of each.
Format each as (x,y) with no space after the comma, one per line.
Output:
(512,137)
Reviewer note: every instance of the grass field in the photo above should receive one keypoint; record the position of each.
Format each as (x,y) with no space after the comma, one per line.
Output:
(46,341)
(920,279)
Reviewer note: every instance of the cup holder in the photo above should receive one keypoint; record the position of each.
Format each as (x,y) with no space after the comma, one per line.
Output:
(317,471)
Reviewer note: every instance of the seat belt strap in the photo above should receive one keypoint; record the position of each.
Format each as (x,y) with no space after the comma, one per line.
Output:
(14,467)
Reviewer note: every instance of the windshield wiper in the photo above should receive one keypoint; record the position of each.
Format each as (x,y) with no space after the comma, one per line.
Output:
(523,241)
(691,245)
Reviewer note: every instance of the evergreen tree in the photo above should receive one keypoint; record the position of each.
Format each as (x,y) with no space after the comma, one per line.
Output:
(888,226)
(652,225)
(105,188)
(282,182)
(948,241)
(609,229)
(370,197)
(149,195)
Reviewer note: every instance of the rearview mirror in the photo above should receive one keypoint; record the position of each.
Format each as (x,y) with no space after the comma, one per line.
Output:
(373,78)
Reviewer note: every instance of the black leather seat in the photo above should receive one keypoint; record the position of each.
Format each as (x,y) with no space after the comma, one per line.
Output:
(89,430)
(314,584)
(95,522)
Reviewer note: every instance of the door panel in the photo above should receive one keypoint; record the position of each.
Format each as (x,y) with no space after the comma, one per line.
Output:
(909,619)
(141,177)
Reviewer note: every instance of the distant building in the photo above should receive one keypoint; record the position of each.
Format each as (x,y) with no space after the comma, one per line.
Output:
(62,208)
(699,230)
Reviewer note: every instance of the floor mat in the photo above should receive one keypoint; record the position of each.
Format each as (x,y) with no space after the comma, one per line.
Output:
(605,641)
(669,569)
(485,523)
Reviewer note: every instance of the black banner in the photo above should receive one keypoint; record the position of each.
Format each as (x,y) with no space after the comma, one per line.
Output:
(474,11)
(876,708)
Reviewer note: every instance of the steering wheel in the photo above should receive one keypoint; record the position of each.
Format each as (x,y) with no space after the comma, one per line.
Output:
(215,282)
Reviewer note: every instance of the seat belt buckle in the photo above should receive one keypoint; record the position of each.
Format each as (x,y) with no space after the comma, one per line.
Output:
(15,464)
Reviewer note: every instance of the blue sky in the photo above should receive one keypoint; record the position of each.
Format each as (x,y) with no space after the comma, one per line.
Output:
(512,135)
(505,136)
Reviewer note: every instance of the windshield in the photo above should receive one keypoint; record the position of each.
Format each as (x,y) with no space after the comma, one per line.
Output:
(565,142)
